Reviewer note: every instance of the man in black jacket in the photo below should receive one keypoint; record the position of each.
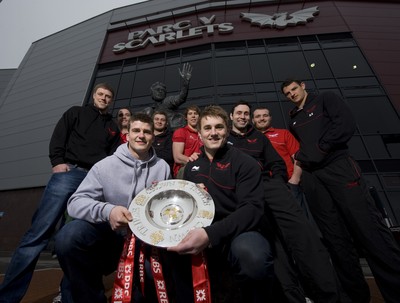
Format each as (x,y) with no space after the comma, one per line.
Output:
(337,194)
(83,136)
(297,234)
(233,180)
(163,137)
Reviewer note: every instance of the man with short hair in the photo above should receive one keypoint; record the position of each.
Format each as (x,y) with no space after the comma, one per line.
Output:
(123,116)
(233,180)
(90,246)
(286,146)
(163,137)
(300,237)
(83,136)
(337,194)
(186,142)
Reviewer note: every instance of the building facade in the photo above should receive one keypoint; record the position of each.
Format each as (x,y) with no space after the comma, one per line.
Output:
(238,50)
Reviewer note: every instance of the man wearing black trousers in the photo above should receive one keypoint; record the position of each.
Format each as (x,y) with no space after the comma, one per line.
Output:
(337,194)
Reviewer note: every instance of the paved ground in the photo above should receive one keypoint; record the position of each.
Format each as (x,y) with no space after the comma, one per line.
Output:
(47,276)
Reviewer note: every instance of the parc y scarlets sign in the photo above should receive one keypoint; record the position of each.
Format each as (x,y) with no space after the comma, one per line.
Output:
(184,30)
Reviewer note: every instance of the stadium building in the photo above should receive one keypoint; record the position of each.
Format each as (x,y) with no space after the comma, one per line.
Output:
(238,50)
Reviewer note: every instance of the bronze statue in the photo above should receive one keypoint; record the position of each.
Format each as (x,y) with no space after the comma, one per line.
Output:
(170,104)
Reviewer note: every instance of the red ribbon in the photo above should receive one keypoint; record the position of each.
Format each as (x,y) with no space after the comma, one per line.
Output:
(122,291)
(158,276)
(201,281)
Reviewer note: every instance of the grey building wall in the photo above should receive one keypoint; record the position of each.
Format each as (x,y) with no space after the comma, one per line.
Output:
(5,76)
(53,76)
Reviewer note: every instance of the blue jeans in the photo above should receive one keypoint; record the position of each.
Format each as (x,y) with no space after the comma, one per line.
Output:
(86,252)
(52,206)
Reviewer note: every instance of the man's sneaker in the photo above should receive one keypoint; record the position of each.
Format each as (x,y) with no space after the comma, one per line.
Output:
(57,299)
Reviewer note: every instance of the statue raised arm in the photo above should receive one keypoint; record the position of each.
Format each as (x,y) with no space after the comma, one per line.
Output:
(171,103)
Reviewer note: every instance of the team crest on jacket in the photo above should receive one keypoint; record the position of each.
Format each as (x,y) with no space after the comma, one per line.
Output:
(111,132)
(252,141)
(222,166)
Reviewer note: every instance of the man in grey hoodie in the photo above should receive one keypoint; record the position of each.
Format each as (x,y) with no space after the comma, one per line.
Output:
(90,246)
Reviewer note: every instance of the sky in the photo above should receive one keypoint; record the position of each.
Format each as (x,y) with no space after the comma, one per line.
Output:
(22,22)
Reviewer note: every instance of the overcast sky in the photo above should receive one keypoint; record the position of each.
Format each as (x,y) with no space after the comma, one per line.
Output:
(25,21)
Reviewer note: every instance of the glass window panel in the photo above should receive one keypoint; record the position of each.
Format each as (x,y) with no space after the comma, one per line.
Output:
(173,54)
(327,83)
(145,78)
(360,81)
(376,147)
(173,57)
(309,42)
(125,86)
(256,47)
(289,65)
(198,52)
(283,45)
(375,115)
(362,91)
(373,180)
(234,89)
(265,87)
(317,64)
(202,75)
(255,43)
(392,143)
(336,40)
(232,70)
(287,106)
(109,69)
(348,62)
(367,166)
(256,50)
(260,68)
(394,208)
(357,148)
(387,166)
(197,93)
(335,90)
(206,48)
(263,97)
(309,46)
(232,99)
(230,48)
(129,65)
(392,180)
(173,60)
(151,61)
(140,103)
(172,77)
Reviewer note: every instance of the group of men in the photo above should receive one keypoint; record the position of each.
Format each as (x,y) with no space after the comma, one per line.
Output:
(251,170)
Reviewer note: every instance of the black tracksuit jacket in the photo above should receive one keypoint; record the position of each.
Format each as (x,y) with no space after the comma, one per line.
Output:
(233,180)
(257,145)
(83,136)
(163,146)
(323,127)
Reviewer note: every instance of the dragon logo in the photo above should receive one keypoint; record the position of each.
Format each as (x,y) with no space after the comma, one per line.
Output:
(281,20)
(222,166)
